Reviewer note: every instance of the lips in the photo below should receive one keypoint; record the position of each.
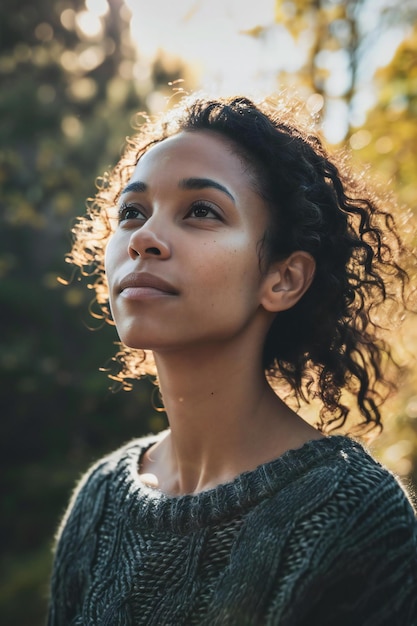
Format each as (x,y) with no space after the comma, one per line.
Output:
(145,284)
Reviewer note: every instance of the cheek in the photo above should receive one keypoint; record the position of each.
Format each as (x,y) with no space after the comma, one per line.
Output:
(111,256)
(231,274)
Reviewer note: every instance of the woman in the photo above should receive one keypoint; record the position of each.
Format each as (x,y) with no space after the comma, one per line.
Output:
(239,259)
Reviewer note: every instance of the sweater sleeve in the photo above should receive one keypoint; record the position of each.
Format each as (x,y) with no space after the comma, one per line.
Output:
(74,545)
(367,572)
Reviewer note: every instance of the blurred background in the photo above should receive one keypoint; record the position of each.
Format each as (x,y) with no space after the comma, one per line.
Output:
(72,76)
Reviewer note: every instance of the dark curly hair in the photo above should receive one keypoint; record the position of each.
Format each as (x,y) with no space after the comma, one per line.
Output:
(329,343)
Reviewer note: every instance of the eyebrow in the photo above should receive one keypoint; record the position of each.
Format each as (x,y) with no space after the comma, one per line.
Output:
(185,183)
(203,183)
(137,187)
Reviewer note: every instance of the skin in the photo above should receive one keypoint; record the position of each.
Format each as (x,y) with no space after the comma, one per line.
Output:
(192,217)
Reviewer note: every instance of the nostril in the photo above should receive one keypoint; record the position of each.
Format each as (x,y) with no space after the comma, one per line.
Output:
(133,253)
(155,251)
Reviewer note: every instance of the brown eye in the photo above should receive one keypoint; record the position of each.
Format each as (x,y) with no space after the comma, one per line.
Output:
(130,212)
(203,210)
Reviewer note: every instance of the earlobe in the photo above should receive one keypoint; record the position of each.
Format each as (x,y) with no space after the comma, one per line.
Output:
(287,281)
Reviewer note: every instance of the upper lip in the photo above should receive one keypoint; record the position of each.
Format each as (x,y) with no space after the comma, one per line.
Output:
(143,279)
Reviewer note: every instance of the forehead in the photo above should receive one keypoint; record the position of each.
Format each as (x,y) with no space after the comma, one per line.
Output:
(196,152)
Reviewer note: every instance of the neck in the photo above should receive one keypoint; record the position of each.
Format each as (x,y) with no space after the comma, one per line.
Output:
(224,419)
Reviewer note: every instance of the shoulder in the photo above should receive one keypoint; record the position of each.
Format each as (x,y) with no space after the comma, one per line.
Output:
(350,469)
(91,493)
(376,504)
(365,483)
(347,526)
(354,511)
(335,484)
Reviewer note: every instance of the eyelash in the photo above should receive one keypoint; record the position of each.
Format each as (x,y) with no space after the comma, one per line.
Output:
(206,206)
(124,209)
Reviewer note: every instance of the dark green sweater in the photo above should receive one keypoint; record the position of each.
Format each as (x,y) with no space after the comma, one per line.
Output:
(320,536)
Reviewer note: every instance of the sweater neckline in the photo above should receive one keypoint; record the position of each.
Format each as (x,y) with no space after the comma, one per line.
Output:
(183,513)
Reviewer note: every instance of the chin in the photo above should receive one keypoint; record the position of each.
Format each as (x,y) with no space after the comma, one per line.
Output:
(140,343)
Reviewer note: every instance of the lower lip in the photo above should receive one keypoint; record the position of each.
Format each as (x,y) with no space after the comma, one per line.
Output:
(144,293)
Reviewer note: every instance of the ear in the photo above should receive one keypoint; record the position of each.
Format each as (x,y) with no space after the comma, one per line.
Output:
(287,281)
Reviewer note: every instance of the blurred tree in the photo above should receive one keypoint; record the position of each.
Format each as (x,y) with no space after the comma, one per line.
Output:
(70,84)
(341,40)
(389,135)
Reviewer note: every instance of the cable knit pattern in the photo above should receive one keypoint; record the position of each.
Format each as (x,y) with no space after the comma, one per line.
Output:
(321,536)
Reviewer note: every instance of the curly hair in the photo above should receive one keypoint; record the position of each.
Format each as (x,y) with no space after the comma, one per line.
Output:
(329,343)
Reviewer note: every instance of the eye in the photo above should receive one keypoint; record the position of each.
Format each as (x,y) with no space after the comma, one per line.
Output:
(130,212)
(204,210)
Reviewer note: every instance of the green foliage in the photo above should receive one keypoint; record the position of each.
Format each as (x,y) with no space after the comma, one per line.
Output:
(390,141)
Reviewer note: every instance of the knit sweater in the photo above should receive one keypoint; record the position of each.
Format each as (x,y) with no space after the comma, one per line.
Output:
(320,536)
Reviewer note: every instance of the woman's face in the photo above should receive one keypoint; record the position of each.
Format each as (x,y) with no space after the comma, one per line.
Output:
(182,264)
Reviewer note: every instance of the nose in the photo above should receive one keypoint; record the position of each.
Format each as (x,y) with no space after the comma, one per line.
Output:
(146,242)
